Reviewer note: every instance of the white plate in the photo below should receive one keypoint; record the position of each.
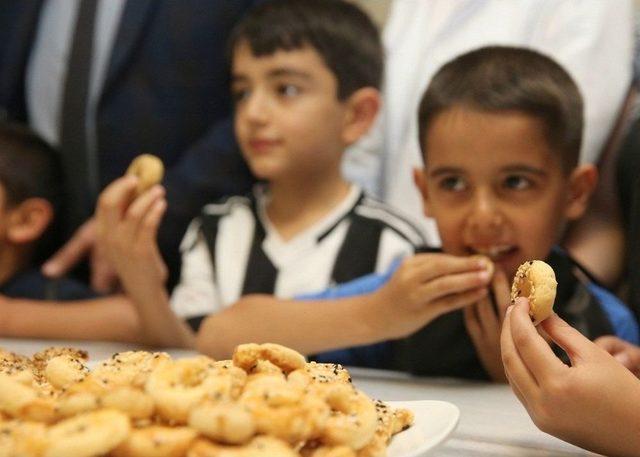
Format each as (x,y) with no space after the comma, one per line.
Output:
(434,422)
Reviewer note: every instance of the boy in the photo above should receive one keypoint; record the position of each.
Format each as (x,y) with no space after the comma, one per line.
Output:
(30,195)
(30,304)
(305,78)
(500,131)
(305,87)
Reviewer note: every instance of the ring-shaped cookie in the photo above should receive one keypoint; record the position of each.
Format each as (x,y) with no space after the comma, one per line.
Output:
(536,281)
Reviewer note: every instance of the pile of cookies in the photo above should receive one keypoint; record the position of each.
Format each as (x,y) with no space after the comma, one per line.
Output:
(266,401)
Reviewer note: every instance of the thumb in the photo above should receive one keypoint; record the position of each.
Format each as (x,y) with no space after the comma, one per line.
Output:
(576,345)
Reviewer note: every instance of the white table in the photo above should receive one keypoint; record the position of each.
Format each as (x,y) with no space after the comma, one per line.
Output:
(492,421)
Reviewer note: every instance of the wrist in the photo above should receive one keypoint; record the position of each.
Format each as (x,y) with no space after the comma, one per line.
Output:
(375,325)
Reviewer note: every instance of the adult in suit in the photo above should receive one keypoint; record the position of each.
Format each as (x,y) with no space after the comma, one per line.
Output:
(106,80)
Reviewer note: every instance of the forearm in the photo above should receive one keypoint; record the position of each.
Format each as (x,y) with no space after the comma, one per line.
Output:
(159,325)
(111,319)
(307,326)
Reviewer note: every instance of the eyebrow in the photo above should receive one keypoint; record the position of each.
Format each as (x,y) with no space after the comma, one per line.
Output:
(445,171)
(525,169)
(276,73)
(510,169)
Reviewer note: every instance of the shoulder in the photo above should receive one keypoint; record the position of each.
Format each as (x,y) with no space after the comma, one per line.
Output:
(212,215)
(390,218)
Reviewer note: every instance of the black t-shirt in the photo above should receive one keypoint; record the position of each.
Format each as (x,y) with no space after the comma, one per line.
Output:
(32,284)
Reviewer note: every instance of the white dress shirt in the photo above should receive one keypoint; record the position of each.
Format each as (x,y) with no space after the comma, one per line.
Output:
(47,66)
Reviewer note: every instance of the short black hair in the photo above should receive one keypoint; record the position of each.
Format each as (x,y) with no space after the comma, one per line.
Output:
(345,37)
(30,168)
(503,78)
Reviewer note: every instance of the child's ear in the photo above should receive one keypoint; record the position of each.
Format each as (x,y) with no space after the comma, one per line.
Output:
(29,220)
(361,110)
(420,180)
(582,183)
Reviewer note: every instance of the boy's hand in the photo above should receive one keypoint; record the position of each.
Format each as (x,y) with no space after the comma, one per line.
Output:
(127,228)
(484,326)
(423,288)
(82,244)
(626,353)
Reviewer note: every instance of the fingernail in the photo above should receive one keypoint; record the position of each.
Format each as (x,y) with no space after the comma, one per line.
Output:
(622,358)
(484,275)
(509,309)
(482,263)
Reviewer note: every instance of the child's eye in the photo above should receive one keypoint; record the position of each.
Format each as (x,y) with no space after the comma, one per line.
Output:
(517,183)
(288,90)
(238,95)
(453,183)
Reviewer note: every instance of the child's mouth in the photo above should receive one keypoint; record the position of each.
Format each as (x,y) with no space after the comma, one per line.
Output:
(495,253)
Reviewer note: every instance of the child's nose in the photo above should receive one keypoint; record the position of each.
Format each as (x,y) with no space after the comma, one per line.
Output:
(485,217)
(256,107)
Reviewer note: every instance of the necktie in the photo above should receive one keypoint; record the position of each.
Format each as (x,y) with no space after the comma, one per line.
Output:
(79,194)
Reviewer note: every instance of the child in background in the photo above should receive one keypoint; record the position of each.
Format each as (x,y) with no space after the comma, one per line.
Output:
(30,304)
(30,195)
(305,77)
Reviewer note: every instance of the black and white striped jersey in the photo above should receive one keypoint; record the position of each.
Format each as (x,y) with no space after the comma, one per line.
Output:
(232,250)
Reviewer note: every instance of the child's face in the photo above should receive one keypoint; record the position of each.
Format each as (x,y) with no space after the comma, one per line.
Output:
(288,119)
(494,186)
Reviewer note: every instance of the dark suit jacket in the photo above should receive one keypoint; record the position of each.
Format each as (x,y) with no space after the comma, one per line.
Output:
(166,92)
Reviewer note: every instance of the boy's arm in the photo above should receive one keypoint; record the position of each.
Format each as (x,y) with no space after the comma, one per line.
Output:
(423,288)
(110,318)
(127,228)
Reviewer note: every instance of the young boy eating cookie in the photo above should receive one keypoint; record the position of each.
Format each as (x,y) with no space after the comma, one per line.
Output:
(500,130)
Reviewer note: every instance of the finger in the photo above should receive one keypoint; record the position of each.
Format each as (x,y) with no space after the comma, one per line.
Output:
(471,322)
(487,317)
(114,200)
(519,376)
(610,343)
(430,266)
(576,345)
(455,301)
(72,252)
(140,208)
(103,278)
(151,223)
(535,352)
(453,284)
(501,292)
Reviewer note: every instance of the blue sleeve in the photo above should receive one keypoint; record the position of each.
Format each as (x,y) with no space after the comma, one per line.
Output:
(373,355)
(625,325)
(359,286)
